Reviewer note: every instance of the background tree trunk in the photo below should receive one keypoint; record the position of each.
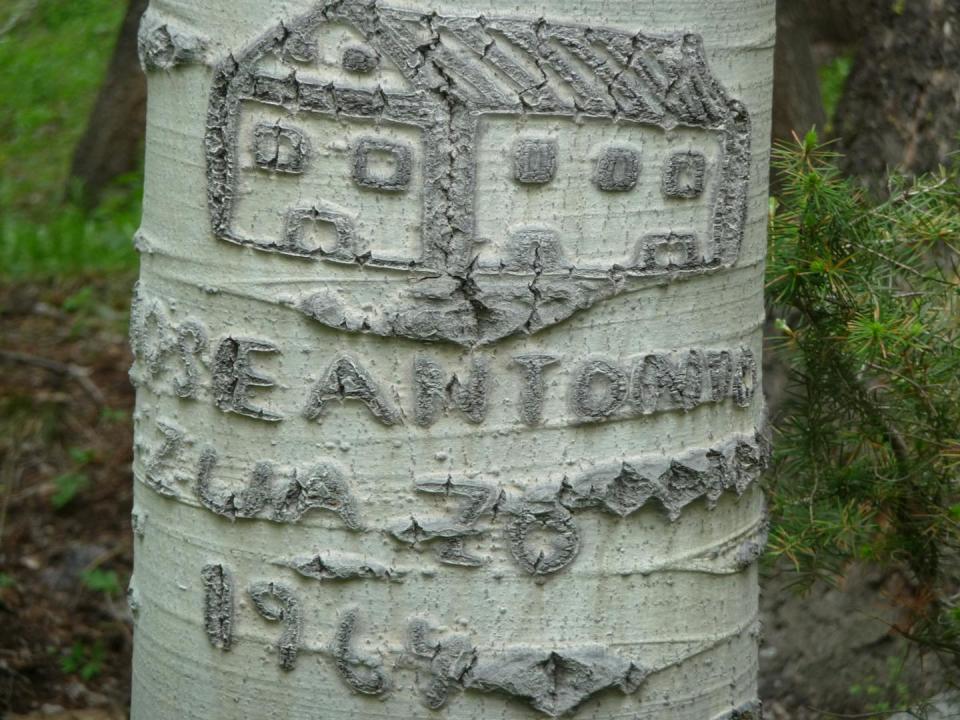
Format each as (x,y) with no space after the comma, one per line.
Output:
(901,107)
(797,101)
(112,144)
(837,22)
(447,385)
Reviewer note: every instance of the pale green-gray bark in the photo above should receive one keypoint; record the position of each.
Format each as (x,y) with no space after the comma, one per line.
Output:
(446,352)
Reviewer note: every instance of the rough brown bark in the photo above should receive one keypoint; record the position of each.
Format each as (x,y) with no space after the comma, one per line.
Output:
(113,140)
(901,107)
(797,103)
(838,22)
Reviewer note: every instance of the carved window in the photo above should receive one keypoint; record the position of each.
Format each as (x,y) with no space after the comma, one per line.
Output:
(277,148)
(535,161)
(684,176)
(618,169)
(382,165)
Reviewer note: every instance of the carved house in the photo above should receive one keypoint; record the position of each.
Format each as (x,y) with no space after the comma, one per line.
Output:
(518,170)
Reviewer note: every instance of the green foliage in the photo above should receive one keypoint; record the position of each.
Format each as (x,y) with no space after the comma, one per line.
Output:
(70,484)
(81,456)
(882,695)
(868,446)
(113,415)
(84,660)
(6,581)
(70,241)
(68,487)
(53,54)
(103,581)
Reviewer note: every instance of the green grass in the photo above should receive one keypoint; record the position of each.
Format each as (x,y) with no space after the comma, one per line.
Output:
(53,54)
(103,581)
(70,242)
(82,659)
(52,60)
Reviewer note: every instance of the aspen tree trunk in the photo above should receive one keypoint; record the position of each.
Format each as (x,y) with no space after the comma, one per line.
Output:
(446,339)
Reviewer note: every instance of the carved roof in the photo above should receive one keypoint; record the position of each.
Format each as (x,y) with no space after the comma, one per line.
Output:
(514,66)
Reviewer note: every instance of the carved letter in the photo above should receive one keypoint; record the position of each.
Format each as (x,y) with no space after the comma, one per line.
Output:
(481,500)
(448,659)
(149,329)
(168,450)
(721,374)
(191,341)
(745,378)
(245,504)
(595,402)
(471,397)
(371,678)
(233,376)
(732,375)
(563,548)
(217,606)
(324,488)
(286,610)
(432,395)
(660,383)
(532,393)
(429,392)
(346,379)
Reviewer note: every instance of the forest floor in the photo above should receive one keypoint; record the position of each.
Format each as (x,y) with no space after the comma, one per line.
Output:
(65,495)
(65,402)
(65,539)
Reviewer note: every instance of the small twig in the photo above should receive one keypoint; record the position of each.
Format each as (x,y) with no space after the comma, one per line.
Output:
(74,372)
(902,266)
